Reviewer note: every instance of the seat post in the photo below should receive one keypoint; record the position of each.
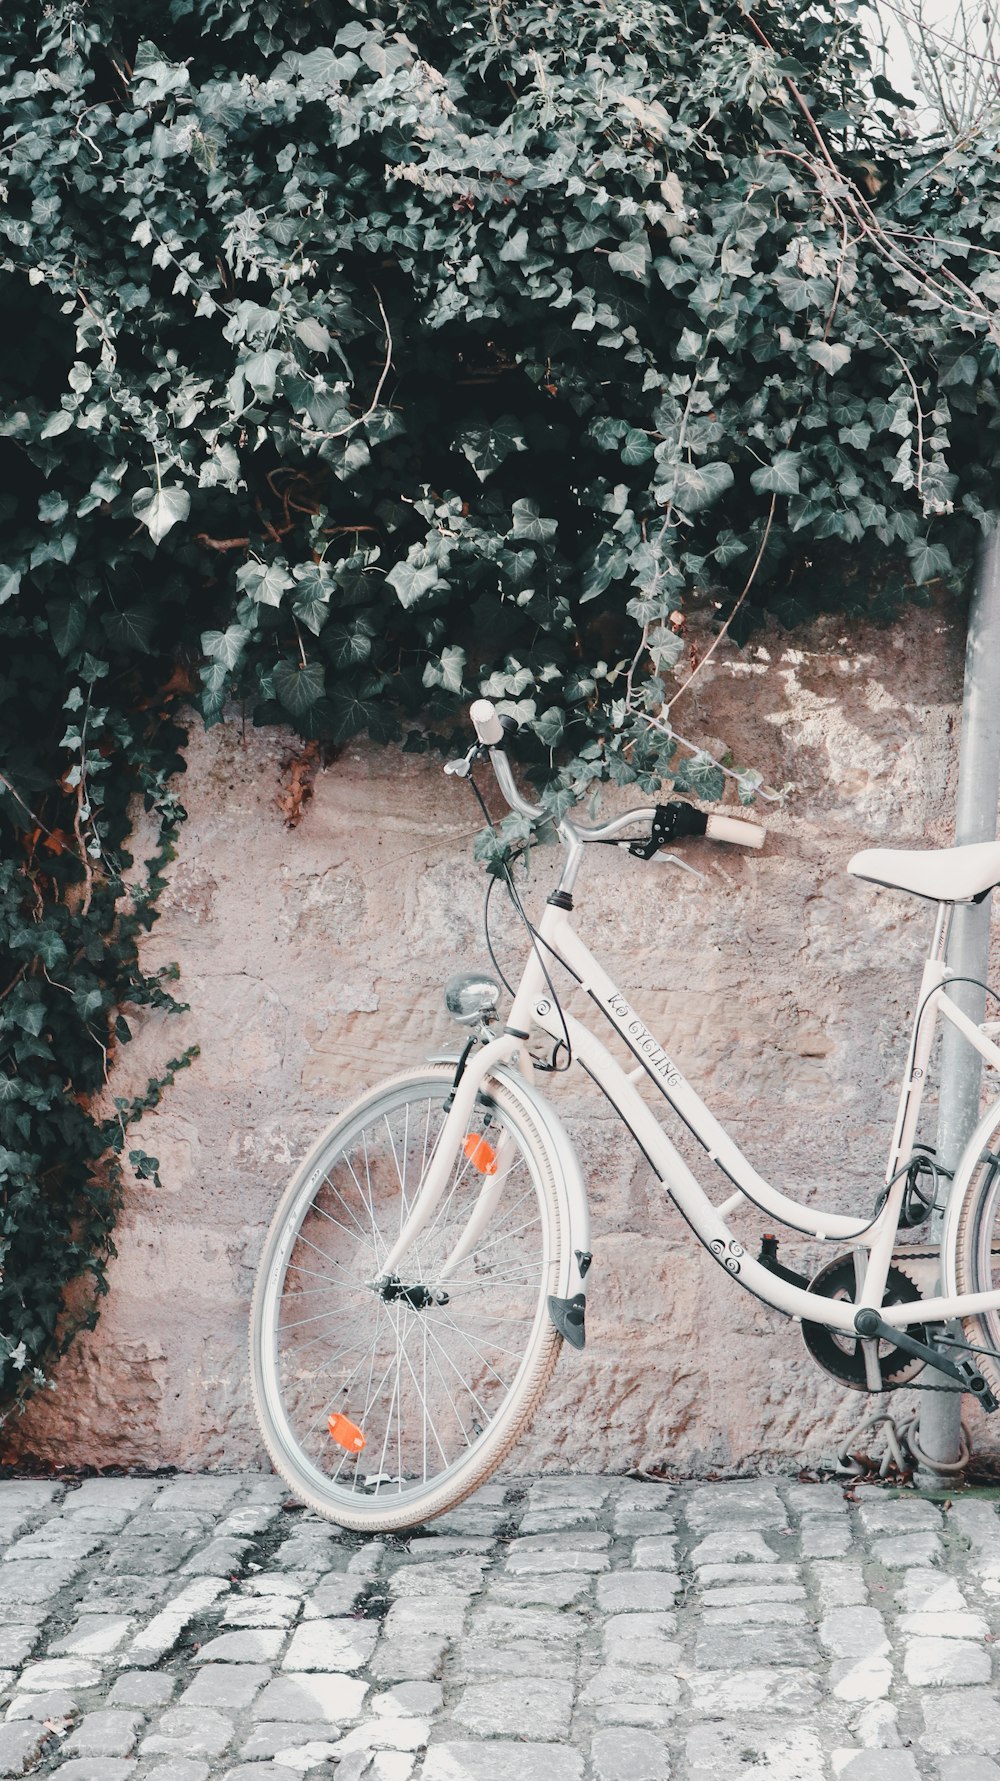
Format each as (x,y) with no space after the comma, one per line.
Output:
(942,929)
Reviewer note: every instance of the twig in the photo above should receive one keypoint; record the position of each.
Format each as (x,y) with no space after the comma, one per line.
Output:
(713,646)
(342,432)
(5,782)
(859,206)
(208,543)
(15,980)
(88,869)
(919,480)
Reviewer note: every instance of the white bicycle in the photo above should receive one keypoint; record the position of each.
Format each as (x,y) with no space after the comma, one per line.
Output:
(431,1255)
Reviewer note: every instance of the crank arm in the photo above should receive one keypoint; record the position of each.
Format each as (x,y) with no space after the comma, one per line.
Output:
(870,1325)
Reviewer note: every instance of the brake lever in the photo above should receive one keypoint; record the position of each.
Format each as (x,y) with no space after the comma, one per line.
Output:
(674,859)
(462,767)
(667,859)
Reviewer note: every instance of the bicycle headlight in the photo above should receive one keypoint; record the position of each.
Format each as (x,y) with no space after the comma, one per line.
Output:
(471,996)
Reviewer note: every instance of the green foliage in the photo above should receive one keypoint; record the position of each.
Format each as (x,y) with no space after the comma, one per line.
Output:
(371,356)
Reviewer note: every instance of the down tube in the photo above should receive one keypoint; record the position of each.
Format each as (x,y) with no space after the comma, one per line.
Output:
(686,1191)
(661,1069)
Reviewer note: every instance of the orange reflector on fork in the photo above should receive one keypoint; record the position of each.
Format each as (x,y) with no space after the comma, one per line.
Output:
(481,1155)
(345,1433)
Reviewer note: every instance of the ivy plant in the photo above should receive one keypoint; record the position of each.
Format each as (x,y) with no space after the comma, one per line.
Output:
(361,357)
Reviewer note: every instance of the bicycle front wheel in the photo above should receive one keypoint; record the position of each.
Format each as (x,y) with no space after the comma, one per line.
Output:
(977,1250)
(439,1377)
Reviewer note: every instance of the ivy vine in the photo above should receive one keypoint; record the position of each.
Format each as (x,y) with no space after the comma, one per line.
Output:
(364,356)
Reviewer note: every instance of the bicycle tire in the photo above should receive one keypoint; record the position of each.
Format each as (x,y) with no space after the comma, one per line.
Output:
(977,1247)
(365,1168)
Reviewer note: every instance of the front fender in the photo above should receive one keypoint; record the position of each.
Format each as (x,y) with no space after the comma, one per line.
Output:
(571,1192)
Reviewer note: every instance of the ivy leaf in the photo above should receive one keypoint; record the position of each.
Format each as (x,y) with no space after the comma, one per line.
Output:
(528,527)
(264,582)
(261,371)
(632,258)
(928,560)
(549,726)
(780,477)
(226,646)
(410,584)
(313,335)
(131,628)
(215,681)
(832,355)
(488,446)
(694,487)
(10,581)
(161,508)
(608,566)
(702,776)
(448,671)
(88,1002)
(581,233)
(67,624)
(348,645)
(298,688)
(637,447)
(50,948)
(747,781)
(52,508)
(349,713)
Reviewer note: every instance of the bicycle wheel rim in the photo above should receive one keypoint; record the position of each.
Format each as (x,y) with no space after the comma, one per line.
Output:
(979,1254)
(439,1392)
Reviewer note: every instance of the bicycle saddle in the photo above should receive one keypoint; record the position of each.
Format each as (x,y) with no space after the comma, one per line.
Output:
(942,874)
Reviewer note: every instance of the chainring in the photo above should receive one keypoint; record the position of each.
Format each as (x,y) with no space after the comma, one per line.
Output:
(842,1355)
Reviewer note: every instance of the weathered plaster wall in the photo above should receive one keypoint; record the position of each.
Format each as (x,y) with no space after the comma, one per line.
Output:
(312,960)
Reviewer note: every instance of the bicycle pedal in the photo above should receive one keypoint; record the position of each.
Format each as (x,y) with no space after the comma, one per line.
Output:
(976,1384)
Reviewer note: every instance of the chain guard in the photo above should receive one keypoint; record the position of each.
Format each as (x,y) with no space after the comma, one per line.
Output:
(842,1355)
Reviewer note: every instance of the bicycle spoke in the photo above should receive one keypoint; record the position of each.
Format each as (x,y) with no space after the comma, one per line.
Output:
(425,1384)
(495,1346)
(446,1357)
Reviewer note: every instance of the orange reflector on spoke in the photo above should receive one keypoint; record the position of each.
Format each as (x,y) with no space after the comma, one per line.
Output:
(481,1155)
(345,1433)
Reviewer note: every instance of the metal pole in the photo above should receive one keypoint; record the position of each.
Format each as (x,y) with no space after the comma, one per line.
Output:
(968,954)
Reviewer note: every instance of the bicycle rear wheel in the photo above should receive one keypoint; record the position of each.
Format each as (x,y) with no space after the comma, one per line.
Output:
(977,1250)
(438,1391)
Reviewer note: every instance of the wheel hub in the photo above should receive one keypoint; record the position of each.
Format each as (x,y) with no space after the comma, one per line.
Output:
(391,1290)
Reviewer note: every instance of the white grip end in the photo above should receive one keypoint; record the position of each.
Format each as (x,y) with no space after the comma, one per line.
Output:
(489,729)
(735,831)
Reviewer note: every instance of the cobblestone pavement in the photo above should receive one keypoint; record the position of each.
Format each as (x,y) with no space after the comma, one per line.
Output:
(567,1628)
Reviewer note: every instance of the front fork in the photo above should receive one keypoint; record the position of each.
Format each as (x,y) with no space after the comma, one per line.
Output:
(496,1054)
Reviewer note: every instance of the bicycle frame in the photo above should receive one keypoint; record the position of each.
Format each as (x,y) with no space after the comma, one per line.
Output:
(533,1009)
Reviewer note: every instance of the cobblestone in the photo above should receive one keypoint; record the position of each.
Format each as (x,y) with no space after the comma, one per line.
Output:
(20,1742)
(56,1704)
(946,1661)
(628,1756)
(98,1768)
(570,1629)
(779,1752)
(189,1731)
(112,1732)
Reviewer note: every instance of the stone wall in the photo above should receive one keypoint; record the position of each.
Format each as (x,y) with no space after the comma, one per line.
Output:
(312,960)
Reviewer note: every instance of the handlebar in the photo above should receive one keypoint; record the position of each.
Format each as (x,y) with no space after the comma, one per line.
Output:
(493,731)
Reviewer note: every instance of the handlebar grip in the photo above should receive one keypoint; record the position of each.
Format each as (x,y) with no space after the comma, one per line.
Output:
(735,831)
(488,724)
